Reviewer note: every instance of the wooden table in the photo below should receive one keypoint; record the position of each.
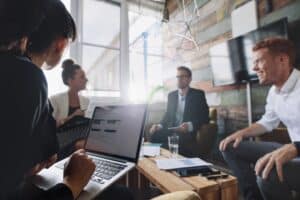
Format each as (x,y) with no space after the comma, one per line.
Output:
(147,171)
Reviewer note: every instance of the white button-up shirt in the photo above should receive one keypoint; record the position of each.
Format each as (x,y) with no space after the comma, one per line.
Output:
(284,105)
(180,111)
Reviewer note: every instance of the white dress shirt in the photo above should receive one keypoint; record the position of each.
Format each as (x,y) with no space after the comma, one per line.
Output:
(180,112)
(180,109)
(284,105)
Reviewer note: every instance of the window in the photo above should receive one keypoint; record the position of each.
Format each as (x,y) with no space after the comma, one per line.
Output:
(102,68)
(97,49)
(98,46)
(146,58)
(101,23)
(101,46)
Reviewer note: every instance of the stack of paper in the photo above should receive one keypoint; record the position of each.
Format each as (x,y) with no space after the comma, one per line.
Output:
(150,149)
(169,164)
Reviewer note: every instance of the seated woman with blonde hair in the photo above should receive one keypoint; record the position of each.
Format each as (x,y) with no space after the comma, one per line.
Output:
(69,104)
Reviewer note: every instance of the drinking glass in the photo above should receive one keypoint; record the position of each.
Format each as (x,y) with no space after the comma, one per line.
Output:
(173,142)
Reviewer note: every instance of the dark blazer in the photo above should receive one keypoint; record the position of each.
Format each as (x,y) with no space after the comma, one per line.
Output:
(28,131)
(195,111)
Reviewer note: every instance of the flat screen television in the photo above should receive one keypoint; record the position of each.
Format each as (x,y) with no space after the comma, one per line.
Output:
(220,61)
(231,61)
(275,29)
(226,63)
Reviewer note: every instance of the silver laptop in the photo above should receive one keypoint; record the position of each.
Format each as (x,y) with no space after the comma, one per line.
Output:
(113,142)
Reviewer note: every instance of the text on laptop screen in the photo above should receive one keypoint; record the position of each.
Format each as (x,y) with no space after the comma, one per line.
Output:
(116,130)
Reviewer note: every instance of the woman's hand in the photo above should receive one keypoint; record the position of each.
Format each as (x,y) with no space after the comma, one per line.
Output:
(77,112)
(45,164)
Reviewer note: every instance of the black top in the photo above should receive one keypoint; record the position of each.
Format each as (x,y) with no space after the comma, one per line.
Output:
(27,126)
(297,145)
(195,111)
(72,110)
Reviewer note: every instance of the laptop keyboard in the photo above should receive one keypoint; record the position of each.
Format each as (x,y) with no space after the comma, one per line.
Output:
(105,170)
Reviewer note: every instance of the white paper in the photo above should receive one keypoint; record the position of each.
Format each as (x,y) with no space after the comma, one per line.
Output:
(244,19)
(168,164)
(150,150)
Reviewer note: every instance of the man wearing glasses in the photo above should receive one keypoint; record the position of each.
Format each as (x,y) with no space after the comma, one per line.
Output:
(187,111)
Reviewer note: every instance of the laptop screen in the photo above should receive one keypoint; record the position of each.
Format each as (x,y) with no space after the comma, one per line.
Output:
(117,130)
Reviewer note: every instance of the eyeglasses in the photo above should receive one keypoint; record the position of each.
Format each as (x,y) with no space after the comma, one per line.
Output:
(182,76)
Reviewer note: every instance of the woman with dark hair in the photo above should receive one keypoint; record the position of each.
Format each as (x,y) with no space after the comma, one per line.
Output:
(45,48)
(28,140)
(47,43)
(69,104)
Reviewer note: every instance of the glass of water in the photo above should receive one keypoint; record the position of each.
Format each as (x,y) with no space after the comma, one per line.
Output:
(173,142)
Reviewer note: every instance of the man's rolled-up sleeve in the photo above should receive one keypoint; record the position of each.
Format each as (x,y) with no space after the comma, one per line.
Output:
(270,119)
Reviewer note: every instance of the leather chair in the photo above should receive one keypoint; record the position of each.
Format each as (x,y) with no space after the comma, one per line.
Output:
(205,139)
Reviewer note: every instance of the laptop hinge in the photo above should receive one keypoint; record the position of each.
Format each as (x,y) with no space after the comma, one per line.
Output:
(107,157)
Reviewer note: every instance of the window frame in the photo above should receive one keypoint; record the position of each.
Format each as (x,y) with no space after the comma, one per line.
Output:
(76,49)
